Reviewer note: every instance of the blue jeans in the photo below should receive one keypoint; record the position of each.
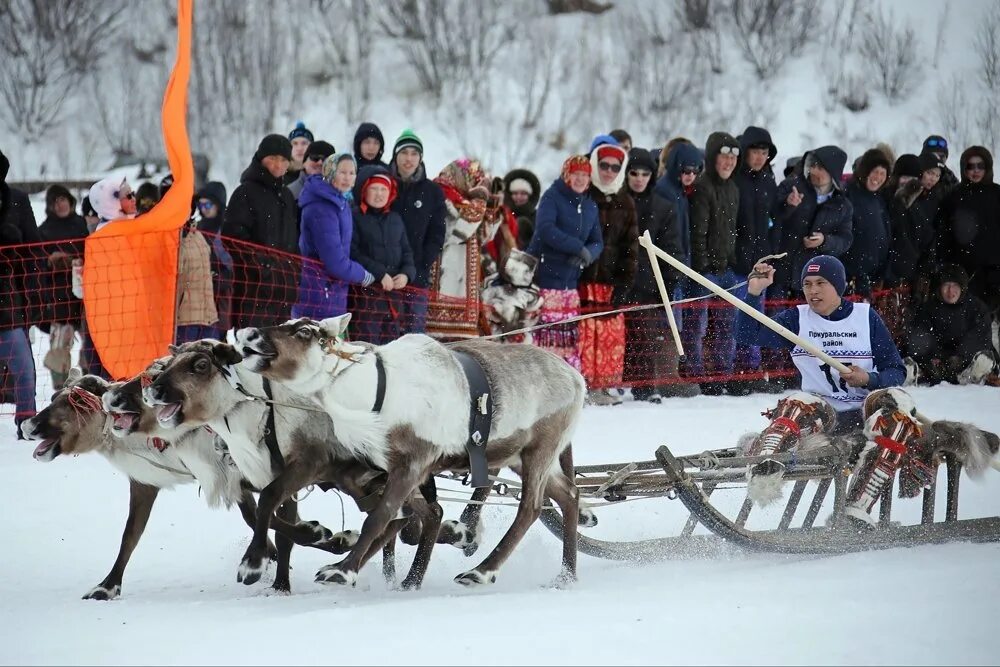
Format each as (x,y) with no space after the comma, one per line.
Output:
(712,327)
(15,351)
(191,332)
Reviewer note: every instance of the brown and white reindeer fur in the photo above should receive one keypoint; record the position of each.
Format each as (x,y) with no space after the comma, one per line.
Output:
(423,425)
(75,423)
(193,389)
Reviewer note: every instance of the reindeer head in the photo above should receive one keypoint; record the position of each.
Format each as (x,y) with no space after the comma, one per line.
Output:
(192,387)
(73,423)
(123,402)
(299,353)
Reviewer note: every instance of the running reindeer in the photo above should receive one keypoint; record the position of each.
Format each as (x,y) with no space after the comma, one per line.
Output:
(201,385)
(90,414)
(423,425)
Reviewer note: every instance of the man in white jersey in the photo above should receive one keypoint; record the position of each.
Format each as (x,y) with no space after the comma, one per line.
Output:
(832,402)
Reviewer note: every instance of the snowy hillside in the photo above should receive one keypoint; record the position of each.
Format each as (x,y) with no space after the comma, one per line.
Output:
(181,602)
(520,87)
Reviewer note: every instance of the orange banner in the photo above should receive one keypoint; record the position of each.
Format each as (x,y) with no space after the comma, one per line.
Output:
(130,266)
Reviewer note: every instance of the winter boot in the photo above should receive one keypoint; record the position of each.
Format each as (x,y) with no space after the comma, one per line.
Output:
(893,434)
(665,364)
(602,397)
(912,372)
(794,418)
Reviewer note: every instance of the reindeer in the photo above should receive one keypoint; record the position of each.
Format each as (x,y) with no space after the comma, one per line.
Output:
(423,426)
(153,459)
(201,385)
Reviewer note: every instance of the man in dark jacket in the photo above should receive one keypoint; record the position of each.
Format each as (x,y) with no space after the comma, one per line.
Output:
(758,190)
(950,329)
(420,202)
(867,260)
(17,227)
(263,212)
(811,217)
(211,203)
(650,354)
(713,254)
(969,226)
(369,144)
(938,145)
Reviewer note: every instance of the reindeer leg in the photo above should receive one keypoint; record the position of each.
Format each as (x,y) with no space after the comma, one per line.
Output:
(140,504)
(535,462)
(431,514)
(401,483)
(273,495)
(248,510)
(288,511)
(562,489)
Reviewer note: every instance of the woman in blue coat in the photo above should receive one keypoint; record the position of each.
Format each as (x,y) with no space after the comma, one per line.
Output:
(325,235)
(567,238)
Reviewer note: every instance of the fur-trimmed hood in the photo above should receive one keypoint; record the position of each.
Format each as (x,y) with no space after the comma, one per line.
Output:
(981,152)
(529,176)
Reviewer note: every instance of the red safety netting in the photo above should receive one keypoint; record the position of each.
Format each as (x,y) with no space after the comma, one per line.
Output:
(225,283)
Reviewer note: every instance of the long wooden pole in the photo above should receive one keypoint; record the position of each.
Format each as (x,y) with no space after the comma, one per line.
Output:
(663,291)
(647,242)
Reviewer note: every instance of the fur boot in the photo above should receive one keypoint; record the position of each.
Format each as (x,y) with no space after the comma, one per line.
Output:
(796,418)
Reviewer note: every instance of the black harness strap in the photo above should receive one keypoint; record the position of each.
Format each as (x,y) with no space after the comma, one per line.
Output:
(380,388)
(480,418)
(270,437)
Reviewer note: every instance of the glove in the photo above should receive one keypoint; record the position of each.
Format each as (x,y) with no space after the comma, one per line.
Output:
(585,257)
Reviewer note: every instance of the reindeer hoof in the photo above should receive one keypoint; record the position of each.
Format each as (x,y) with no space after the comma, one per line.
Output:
(565,579)
(278,589)
(343,541)
(587,518)
(458,535)
(332,574)
(321,534)
(250,570)
(476,578)
(409,585)
(102,592)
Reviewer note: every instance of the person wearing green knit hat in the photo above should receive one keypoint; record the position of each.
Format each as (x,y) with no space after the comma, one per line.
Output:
(421,204)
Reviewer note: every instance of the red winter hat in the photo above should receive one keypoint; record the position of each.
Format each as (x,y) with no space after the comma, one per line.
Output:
(382,179)
(611,151)
(575,163)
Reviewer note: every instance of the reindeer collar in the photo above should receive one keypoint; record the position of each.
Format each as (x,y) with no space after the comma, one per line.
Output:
(354,354)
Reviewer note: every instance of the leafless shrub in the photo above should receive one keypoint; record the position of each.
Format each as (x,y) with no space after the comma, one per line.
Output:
(942,27)
(449,42)
(240,74)
(538,68)
(769,31)
(987,46)
(694,15)
(570,6)
(46,46)
(890,50)
(849,89)
(346,61)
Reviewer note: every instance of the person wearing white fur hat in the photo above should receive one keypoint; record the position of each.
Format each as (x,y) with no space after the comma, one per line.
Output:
(112,199)
(608,280)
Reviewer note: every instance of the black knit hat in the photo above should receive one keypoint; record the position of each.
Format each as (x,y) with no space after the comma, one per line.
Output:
(907,164)
(929,161)
(87,209)
(639,158)
(273,144)
(321,147)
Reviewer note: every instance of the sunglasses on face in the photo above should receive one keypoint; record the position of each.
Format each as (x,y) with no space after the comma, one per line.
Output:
(938,143)
(205,205)
(124,195)
(608,166)
(316,158)
(729,150)
(691,171)
(640,174)
(975,166)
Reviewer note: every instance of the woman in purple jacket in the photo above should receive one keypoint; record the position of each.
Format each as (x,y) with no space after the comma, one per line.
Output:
(325,241)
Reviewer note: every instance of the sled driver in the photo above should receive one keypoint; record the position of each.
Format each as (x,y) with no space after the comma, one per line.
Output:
(830,401)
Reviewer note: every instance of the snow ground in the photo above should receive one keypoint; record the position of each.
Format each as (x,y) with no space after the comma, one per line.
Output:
(181,603)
